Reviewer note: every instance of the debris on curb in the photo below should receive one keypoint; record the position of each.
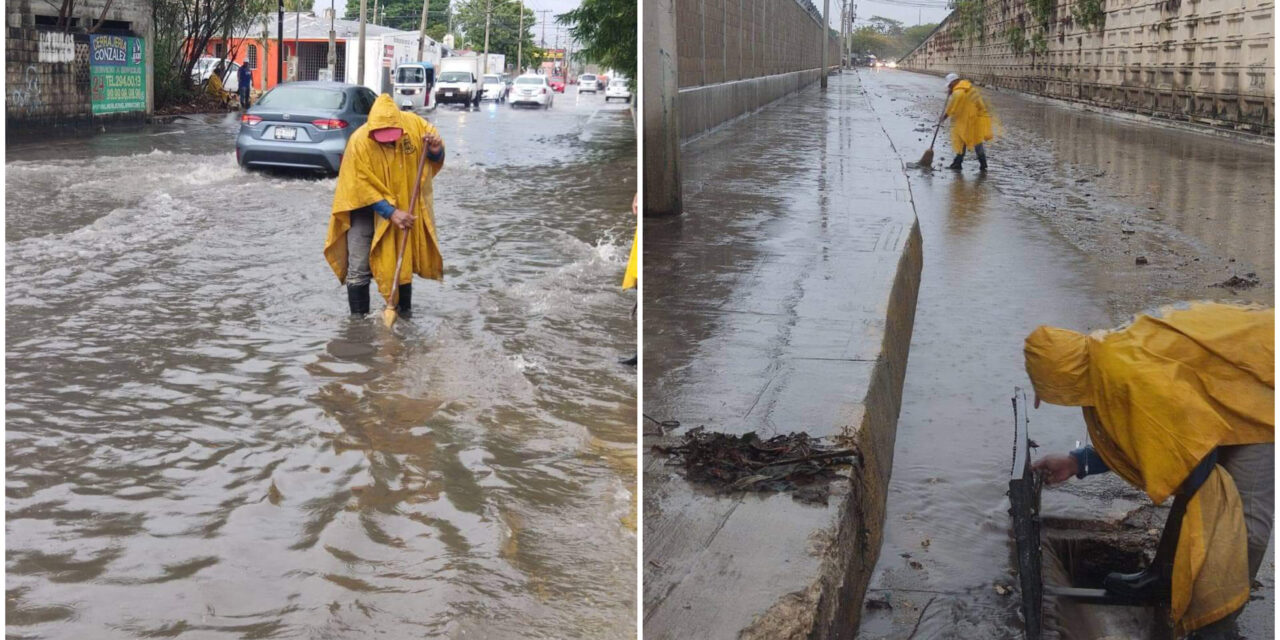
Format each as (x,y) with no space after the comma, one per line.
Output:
(795,463)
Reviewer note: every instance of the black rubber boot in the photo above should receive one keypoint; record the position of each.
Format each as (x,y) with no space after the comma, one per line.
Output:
(358,299)
(955,164)
(404,304)
(982,163)
(1143,586)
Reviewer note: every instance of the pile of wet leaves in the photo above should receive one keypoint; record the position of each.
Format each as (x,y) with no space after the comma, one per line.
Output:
(796,463)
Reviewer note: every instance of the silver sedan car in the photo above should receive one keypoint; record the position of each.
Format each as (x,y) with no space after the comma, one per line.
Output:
(302,125)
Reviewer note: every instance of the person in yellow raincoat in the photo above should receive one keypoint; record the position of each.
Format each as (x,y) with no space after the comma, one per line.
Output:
(632,276)
(971,121)
(370,208)
(1180,402)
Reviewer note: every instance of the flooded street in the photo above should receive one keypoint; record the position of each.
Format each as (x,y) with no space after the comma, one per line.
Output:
(201,442)
(1052,234)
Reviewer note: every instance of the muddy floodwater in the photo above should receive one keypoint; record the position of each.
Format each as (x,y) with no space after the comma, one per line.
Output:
(201,443)
(1052,234)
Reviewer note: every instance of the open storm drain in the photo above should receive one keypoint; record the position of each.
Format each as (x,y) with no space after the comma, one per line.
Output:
(795,463)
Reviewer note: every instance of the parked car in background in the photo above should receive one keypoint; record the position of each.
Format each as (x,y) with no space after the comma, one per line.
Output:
(302,125)
(588,82)
(495,88)
(557,84)
(618,89)
(531,89)
(204,68)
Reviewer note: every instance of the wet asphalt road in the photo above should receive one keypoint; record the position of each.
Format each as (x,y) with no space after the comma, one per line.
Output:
(202,444)
(1050,235)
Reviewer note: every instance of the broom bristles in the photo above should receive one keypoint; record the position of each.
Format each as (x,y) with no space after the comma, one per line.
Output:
(927,158)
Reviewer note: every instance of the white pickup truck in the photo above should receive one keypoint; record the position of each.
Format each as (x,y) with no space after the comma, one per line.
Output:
(458,81)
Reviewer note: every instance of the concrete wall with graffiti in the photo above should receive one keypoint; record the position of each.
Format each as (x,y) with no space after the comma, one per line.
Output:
(1210,62)
(73,80)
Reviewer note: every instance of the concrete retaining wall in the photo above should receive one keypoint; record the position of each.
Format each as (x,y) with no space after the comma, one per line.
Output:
(1209,62)
(47,70)
(735,56)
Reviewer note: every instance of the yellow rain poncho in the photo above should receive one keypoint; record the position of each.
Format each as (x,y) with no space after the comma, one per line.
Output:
(372,171)
(971,121)
(632,275)
(1159,395)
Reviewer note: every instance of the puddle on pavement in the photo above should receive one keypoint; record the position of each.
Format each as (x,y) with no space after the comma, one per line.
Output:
(1049,235)
(201,442)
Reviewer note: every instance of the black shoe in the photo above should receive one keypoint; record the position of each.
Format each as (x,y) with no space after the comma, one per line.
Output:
(955,164)
(982,164)
(358,299)
(1143,586)
(404,305)
(630,362)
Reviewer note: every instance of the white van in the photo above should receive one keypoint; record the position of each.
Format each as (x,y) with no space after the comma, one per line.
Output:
(459,81)
(413,84)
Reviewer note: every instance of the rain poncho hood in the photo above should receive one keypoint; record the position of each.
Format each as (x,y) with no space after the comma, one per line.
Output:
(372,171)
(632,276)
(971,121)
(1159,395)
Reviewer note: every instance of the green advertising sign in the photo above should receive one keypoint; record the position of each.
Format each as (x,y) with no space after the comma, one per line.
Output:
(117,74)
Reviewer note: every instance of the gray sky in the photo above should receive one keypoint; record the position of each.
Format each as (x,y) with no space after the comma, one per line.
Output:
(895,11)
(554,6)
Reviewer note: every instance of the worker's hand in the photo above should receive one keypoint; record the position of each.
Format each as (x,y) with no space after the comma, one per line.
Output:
(401,218)
(434,143)
(1057,468)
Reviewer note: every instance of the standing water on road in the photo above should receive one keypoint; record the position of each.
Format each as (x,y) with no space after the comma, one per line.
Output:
(200,441)
(1050,235)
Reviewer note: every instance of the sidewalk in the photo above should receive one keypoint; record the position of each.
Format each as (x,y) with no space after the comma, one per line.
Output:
(782,300)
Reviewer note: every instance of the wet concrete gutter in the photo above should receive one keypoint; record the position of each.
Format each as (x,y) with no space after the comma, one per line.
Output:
(783,300)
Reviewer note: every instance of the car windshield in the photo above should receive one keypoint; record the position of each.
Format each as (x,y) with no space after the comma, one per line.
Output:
(557,79)
(455,76)
(287,97)
(618,83)
(587,79)
(410,75)
(529,81)
(492,80)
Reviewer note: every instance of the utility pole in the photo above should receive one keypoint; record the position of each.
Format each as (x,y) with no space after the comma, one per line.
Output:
(364,9)
(422,37)
(826,40)
(544,13)
(279,41)
(488,13)
(297,50)
(520,46)
(333,45)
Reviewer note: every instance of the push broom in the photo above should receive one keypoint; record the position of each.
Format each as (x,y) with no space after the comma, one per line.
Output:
(389,314)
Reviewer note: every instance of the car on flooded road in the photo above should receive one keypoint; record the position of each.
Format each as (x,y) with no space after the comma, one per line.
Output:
(531,89)
(302,125)
(495,88)
(588,82)
(618,89)
(556,83)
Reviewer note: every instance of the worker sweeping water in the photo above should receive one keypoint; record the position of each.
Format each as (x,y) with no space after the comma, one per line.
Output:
(1180,403)
(631,277)
(971,121)
(374,208)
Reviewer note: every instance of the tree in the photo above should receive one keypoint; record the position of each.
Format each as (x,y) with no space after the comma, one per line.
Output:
(504,28)
(607,31)
(887,26)
(303,6)
(404,14)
